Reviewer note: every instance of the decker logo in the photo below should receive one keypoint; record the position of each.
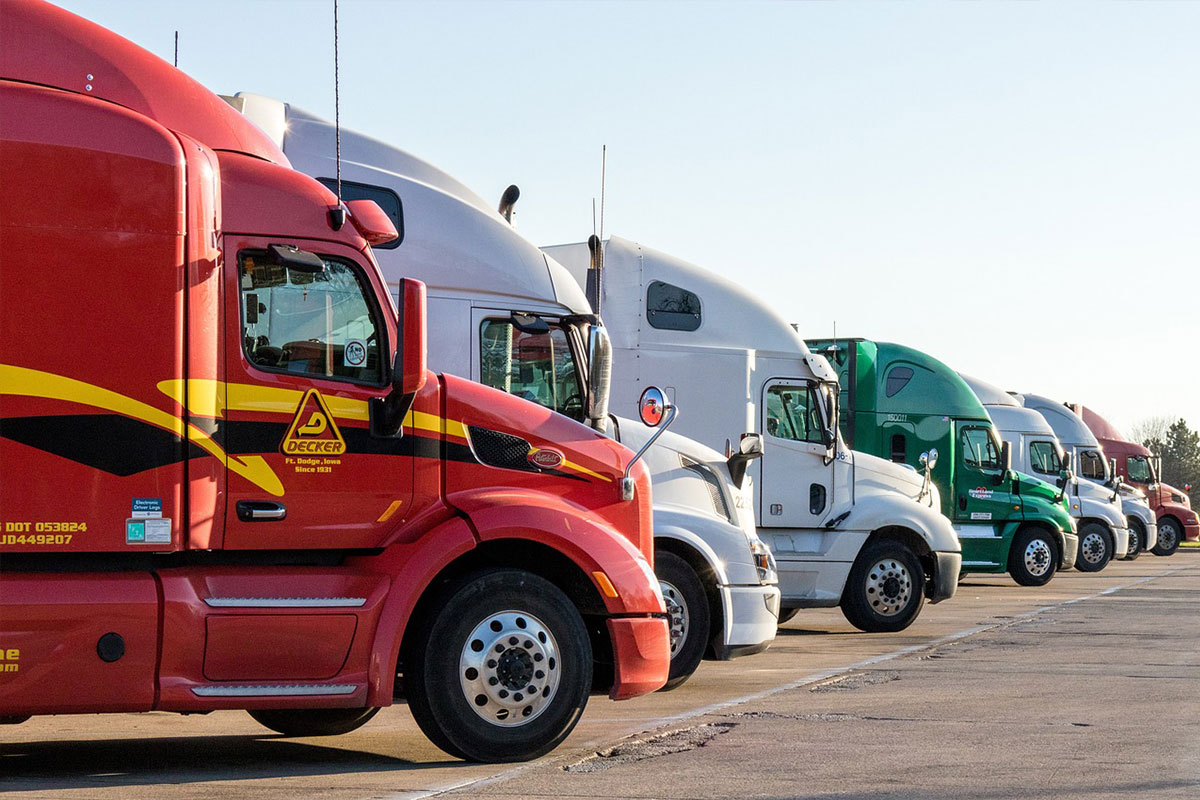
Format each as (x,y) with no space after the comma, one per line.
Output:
(313,431)
(546,458)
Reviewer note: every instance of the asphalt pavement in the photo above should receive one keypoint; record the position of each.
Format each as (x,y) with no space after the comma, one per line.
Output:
(1082,688)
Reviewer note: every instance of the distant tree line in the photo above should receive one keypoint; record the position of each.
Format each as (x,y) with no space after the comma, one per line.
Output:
(1179,447)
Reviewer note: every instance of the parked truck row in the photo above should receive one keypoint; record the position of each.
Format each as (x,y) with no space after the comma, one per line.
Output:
(237,470)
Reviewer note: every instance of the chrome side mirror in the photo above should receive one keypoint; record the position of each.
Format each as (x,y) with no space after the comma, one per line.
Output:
(657,412)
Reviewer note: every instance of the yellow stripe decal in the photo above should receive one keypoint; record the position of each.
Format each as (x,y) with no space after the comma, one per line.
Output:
(586,471)
(35,383)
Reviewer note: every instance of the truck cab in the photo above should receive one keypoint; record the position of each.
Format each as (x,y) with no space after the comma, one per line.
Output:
(230,480)
(1103,531)
(1090,464)
(510,317)
(846,528)
(904,405)
(1177,520)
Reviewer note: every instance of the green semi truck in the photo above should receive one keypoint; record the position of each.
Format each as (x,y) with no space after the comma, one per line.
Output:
(904,405)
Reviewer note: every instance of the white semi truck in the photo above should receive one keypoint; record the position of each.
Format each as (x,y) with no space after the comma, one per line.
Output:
(1103,529)
(1087,460)
(846,528)
(502,313)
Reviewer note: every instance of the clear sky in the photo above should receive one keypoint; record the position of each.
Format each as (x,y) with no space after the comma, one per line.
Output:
(1012,187)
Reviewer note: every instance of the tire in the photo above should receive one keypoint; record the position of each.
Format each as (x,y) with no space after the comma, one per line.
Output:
(687,605)
(473,706)
(313,721)
(1170,534)
(885,589)
(786,614)
(1033,559)
(1095,547)
(1137,535)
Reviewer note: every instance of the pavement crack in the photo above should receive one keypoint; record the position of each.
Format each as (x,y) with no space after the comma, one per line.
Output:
(664,744)
(855,680)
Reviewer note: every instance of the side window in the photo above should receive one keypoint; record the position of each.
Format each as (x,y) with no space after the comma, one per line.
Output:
(319,324)
(1043,457)
(1091,465)
(897,379)
(792,413)
(979,450)
(386,199)
(899,448)
(672,308)
(536,366)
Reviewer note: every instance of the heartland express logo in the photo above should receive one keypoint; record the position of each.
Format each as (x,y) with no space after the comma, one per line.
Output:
(313,431)
(981,493)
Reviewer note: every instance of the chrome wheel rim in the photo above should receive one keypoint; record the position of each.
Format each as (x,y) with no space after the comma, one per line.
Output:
(1166,536)
(1135,541)
(677,613)
(1093,547)
(889,587)
(509,668)
(1038,557)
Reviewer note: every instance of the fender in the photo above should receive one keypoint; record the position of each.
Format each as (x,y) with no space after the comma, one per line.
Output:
(582,537)
(1092,509)
(874,510)
(681,525)
(412,567)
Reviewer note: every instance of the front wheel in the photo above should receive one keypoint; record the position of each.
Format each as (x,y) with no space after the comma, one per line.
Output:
(884,591)
(1136,537)
(1033,558)
(1095,548)
(313,721)
(500,668)
(687,607)
(1170,534)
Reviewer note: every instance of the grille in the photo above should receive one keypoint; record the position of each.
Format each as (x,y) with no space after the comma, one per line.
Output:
(500,449)
(720,504)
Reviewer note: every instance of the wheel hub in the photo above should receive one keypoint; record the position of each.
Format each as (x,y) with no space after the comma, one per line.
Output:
(508,668)
(1092,548)
(1037,557)
(1166,536)
(889,587)
(677,613)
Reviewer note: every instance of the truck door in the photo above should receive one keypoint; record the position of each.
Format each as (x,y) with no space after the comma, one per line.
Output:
(797,485)
(979,498)
(307,348)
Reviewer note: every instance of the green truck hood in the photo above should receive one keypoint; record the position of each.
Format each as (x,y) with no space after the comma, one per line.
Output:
(1041,499)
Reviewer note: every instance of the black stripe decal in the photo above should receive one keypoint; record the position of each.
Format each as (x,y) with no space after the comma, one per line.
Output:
(111,443)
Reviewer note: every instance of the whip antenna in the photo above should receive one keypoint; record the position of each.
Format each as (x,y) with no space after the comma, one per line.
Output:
(603,172)
(176,49)
(337,216)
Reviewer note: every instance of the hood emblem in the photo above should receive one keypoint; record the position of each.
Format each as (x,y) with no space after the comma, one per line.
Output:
(545,458)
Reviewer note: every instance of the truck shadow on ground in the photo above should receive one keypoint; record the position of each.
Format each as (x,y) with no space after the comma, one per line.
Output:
(61,765)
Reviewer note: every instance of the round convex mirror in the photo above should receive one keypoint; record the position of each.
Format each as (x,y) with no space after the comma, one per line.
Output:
(652,406)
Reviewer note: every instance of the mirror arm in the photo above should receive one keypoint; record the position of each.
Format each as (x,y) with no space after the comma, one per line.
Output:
(627,484)
(387,413)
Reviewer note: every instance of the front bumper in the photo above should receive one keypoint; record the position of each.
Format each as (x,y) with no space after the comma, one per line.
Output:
(1070,550)
(944,580)
(1191,529)
(641,655)
(753,619)
(1121,546)
(1151,535)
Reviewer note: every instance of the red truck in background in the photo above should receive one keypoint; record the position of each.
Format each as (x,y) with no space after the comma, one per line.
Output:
(1141,468)
(227,480)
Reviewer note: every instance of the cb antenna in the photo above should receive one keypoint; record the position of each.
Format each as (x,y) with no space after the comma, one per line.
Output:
(603,175)
(176,49)
(337,216)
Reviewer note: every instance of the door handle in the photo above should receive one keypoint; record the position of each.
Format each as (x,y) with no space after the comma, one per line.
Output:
(260,511)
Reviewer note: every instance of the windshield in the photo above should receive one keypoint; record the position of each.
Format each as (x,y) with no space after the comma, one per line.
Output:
(1139,469)
(538,366)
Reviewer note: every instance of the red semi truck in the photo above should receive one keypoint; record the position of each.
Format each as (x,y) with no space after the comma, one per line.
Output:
(1139,467)
(227,480)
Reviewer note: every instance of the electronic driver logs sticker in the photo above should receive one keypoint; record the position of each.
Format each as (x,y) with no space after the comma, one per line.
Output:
(313,431)
(355,353)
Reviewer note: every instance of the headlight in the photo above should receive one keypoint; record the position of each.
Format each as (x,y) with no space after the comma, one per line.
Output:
(764,562)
